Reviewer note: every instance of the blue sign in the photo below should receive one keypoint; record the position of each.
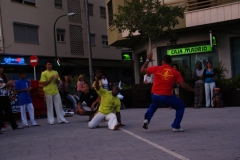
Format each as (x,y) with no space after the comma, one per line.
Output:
(14,61)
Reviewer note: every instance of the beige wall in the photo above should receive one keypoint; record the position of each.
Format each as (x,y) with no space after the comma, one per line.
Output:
(44,14)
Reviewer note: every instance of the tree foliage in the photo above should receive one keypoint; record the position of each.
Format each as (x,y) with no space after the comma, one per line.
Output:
(149,17)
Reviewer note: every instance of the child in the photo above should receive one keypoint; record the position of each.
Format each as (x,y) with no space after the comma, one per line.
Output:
(217,98)
(22,87)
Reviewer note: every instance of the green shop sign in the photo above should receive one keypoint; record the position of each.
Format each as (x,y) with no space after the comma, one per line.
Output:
(189,50)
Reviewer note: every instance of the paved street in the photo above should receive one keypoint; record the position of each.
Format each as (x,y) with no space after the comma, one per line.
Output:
(211,134)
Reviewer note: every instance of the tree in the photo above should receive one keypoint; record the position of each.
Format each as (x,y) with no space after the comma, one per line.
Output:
(150,18)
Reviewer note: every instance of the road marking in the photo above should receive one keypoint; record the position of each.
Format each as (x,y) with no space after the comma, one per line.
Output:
(155,145)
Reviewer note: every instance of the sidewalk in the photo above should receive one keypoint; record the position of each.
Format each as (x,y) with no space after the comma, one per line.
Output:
(211,134)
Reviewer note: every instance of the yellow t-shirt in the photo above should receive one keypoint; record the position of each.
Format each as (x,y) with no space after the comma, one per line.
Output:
(51,88)
(109,103)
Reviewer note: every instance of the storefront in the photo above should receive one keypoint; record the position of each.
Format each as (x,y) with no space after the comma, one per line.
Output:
(190,54)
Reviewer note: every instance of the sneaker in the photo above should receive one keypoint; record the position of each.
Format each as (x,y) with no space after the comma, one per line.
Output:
(26,126)
(64,122)
(52,123)
(3,130)
(35,125)
(145,124)
(178,130)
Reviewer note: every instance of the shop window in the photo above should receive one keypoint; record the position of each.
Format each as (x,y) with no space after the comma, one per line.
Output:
(29,2)
(60,35)
(103,12)
(25,32)
(92,39)
(58,3)
(90,9)
(104,40)
(110,12)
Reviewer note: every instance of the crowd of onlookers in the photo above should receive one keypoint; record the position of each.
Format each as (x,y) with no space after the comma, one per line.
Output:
(85,101)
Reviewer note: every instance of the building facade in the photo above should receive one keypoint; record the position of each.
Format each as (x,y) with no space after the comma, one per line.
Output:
(203,20)
(27,28)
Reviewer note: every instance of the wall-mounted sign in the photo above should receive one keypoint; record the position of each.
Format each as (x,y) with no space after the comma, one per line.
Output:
(127,56)
(189,50)
(13,61)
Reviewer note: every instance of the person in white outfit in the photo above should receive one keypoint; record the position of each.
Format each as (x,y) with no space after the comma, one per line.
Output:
(22,87)
(209,82)
(147,79)
(50,79)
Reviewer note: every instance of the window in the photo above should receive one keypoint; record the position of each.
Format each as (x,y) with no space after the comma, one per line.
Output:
(104,40)
(25,32)
(29,2)
(103,12)
(58,3)
(60,35)
(90,9)
(92,39)
(110,12)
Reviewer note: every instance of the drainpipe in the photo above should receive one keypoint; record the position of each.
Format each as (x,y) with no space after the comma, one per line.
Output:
(3,48)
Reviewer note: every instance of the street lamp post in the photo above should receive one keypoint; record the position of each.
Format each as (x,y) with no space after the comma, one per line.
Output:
(54,31)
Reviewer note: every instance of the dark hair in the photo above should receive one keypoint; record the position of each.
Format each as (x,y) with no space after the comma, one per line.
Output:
(167,59)
(175,65)
(115,86)
(21,71)
(4,77)
(49,61)
(209,62)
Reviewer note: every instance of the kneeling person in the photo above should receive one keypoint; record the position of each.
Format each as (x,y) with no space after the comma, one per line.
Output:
(110,103)
(88,101)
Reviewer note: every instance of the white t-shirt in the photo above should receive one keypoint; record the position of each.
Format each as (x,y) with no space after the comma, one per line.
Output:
(147,78)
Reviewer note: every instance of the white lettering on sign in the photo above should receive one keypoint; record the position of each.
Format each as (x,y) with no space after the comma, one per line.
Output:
(33,60)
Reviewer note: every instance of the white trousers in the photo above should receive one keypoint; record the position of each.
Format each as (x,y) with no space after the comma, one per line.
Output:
(56,99)
(30,110)
(111,118)
(209,90)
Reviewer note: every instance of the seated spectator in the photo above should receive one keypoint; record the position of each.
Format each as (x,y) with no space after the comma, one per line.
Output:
(217,98)
(71,92)
(109,108)
(88,102)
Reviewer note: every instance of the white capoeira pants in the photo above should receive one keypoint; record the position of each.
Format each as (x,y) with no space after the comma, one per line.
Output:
(111,118)
(30,110)
(56,99)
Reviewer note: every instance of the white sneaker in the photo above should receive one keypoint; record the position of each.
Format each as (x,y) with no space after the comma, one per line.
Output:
(145,124)
(178,130)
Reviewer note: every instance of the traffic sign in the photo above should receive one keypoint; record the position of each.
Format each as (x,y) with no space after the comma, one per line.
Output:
(33,61)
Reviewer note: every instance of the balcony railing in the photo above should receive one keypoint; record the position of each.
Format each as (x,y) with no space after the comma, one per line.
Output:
(192,5)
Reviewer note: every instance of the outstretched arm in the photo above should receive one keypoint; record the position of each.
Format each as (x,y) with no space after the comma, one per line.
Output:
(98,77)
(145,65)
